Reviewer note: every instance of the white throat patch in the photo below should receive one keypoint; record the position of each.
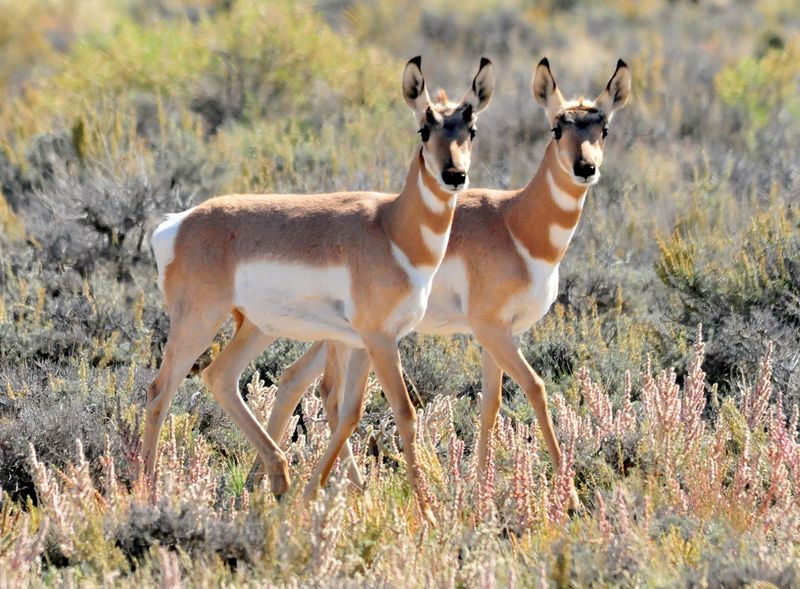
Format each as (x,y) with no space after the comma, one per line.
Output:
(434,204)
(564,200)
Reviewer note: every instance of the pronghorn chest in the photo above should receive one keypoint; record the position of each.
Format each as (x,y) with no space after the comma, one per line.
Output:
(530,303)
(447,304)
(410,309)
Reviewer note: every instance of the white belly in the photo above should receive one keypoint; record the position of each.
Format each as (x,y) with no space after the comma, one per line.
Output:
(297,301)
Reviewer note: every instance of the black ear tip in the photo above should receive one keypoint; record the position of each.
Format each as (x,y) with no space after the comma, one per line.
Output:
(417,61)
(485,61)
(545,62)
(621,64)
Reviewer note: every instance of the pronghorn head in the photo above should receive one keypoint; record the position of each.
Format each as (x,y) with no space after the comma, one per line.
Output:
(447,128)
(580,126)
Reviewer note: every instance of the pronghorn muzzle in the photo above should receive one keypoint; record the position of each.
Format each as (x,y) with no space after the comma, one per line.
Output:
(454,177)
(584,169)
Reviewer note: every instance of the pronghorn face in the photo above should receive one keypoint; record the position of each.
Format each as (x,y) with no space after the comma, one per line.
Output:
(448,129)
(580,126)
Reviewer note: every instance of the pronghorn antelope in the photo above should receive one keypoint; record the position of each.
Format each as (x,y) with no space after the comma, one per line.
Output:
(500,273)
(354,267)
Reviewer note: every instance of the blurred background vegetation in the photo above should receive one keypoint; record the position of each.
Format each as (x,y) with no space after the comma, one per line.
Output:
(116,111)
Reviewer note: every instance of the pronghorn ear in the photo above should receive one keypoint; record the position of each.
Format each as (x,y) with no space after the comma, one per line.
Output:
(617,92)
(545,90)
(480,93)
(414,90)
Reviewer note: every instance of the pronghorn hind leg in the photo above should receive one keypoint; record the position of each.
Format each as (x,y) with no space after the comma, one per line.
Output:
(294,382)
(350,413)
(189,336)
(222,378)
(491,398)
(499,341)
(386,363)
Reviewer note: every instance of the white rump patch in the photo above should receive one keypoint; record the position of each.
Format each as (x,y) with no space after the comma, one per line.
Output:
(163,242)
(299,301)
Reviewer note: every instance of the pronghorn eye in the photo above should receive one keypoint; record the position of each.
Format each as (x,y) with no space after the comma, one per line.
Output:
(605,132)
(557,132)
(472,132)
(425,133)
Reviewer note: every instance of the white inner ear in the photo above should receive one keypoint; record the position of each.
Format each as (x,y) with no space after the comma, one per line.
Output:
(484,83)
(619,84)
(413,78)
(547,94)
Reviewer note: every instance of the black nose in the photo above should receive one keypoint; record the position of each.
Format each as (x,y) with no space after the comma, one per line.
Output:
(454,178)
(584,169)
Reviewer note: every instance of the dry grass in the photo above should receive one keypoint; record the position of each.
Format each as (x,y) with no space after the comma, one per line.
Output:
(685,453)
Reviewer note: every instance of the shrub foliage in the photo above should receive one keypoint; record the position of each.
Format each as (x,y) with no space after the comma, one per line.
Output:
(685,453)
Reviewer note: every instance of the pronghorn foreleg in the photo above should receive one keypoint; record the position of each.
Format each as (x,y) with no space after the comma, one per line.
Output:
(499,341)
(332,391)
(386,362)
(355,382)
(491,398)
(222,378)
(189,336)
